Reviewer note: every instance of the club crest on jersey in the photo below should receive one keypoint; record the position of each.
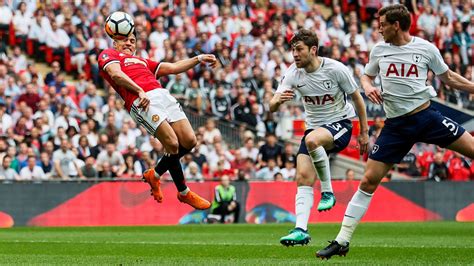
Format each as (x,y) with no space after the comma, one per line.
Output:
(105,56)
(327,84)
(417,58)
(155,118)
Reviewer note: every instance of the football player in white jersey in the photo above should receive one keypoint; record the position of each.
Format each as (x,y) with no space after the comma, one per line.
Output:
(324,85)
(402,62)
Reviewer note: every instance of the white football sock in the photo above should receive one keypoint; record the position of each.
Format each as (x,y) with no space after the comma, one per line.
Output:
(321,164)
(354,212)
(184,192)
(303,203)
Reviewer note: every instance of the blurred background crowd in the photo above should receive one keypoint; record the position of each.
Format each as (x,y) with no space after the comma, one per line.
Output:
(60,120)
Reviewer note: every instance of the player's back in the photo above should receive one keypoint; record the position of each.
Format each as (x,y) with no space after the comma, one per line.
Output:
(404,71)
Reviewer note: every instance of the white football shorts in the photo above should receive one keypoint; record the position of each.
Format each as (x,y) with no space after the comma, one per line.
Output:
(162,107)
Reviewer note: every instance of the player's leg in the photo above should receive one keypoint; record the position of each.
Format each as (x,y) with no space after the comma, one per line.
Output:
(356,209)
(395,140)
(187,141)
(305,178)
(318,142)
(463,145)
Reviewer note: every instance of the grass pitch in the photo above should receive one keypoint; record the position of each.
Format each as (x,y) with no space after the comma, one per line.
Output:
(439,243)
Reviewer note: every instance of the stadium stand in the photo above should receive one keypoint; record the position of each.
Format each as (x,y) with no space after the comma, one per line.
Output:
(42,113)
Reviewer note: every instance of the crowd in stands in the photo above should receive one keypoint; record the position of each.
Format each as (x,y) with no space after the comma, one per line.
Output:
(53,128)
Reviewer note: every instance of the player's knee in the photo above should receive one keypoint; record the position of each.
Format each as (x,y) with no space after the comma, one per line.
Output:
(191,142)
(304,180)
(312,143)
(369,184)
(172,146)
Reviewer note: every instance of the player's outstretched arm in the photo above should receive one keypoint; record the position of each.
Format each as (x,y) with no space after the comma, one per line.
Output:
(186,64)
(371,92)
(363,137)
(122,80)
(279,98)
(454,80)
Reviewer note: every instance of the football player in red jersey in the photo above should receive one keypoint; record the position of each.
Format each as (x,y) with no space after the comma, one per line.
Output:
(151,106)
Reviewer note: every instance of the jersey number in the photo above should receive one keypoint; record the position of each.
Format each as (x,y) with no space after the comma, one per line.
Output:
(336,127)
(451,126)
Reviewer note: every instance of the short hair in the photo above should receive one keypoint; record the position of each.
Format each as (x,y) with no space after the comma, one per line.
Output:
(308,37)
(398,13)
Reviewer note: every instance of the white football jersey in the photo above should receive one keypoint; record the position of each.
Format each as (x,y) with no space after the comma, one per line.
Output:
(323,91)
(404,71)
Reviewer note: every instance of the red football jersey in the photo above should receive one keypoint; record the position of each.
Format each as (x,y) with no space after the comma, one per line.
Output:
(141,71)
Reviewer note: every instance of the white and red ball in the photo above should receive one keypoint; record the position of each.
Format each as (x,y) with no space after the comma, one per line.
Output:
(119,25)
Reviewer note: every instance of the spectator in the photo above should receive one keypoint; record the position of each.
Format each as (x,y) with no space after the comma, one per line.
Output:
(350,175)
(438,170)
(268,172)
(57,39)
(133,168)
(32,171)
(289,171)
(21,23)
(458,168)
(30,97)
(270,150)
(193,172)
(91,97)
(6,119)
(177,87)
(64,120)
(63,159)
(110,160)
(463,42)
(211,132)
(51,76)
(89,169)
(225,202)
(220,104)
(427,22)
(78,47)
(46,164)
(6,172)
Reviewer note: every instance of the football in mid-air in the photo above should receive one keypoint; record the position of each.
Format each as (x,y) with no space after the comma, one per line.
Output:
(119,25)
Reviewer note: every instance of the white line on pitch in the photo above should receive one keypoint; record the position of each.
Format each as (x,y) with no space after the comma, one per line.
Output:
(203,243)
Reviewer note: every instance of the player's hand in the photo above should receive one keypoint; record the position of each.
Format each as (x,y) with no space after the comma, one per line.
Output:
(363,140)
(287,95)
(374,95)
(209,59)
(144,102)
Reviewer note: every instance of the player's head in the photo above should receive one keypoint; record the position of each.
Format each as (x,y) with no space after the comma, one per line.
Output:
(128,45)
(394,19)
(304,45)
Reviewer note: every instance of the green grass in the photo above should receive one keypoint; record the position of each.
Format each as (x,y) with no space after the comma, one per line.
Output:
(439,243)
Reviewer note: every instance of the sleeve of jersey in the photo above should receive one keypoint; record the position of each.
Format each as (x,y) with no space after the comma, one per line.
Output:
(346,80)
(106,57)
(153,66)
(286,81)
(372,67)
(436,62)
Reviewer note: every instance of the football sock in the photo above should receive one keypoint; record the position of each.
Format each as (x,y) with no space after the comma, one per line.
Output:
(165,162)
(354,212)
(171,162)
(176,172)
(184,192)
(321,164)
(303,204)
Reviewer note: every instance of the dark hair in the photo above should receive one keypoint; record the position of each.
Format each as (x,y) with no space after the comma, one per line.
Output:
(398,13)
(309,38)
